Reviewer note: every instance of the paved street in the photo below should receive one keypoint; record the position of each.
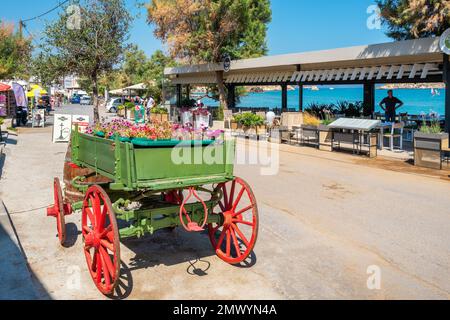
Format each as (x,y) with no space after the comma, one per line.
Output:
(325,218)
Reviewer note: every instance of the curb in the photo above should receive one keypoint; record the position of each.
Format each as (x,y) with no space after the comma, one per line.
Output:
(15,277)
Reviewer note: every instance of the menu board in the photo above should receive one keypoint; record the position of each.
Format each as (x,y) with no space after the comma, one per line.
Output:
(62,128)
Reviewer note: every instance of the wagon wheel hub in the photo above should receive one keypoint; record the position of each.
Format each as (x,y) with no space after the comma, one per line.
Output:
(92,240)
(228,219)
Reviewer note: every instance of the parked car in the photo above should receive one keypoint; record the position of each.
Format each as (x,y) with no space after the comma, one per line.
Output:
(113,104)
(75,99)
(85,100)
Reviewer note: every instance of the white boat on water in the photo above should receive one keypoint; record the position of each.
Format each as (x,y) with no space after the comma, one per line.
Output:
(315,88)
(435,92)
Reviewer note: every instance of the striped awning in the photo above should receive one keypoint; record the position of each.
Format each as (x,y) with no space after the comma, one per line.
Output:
(382,72)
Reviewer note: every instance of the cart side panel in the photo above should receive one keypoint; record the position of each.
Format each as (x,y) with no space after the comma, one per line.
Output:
(184,162)
(97,154)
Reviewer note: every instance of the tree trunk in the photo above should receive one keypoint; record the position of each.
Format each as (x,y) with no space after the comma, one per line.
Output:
(222,91)
(95,94)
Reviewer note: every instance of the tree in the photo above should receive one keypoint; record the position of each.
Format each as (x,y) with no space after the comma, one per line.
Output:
(15,53)
(47,68)
(204,31)
(96,46)
(412,19)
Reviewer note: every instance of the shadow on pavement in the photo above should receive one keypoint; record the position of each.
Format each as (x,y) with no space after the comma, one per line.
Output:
(18,282)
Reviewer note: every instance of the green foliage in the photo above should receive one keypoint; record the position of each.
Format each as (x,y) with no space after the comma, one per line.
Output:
(411,19)
(206,31)
(15,53)
(326,111)
(249,120)
(159,110)
(433,128)
(93,49)
(349,109)
(129,105)
(49,69)
(220,113)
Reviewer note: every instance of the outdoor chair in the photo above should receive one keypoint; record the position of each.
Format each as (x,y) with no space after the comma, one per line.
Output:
(289,120)
(395,133)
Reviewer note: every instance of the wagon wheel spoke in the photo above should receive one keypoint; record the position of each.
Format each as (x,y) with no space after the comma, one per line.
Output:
(236,221)
(108,262)
(105,270)
(240,212)
(222,206)
(233,187)
(241,235)
(87,230)
(90,215)
(239,197)
(236,243)
(94,261)
(105,233)
(98,267)
(228,242)
(221,238)
(108,270)
(108,245)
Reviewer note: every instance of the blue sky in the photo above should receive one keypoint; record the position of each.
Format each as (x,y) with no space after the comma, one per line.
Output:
(297,25)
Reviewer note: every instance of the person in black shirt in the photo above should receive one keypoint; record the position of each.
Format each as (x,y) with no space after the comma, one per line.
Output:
(390,104)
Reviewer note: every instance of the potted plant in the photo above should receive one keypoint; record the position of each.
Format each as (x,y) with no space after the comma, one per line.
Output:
(236,122)
(429,142)
(160,114)
(310,128)
(129,108)
(121,111)
(252,123)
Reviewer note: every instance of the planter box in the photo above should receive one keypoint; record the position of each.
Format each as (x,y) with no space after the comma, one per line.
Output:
(325,138)
(121,113)
(234,126)
(218,125)
(159,117)
(310,134)
(261,130)
(428,149)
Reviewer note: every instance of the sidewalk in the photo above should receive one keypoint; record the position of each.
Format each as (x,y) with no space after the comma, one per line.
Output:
(15,278)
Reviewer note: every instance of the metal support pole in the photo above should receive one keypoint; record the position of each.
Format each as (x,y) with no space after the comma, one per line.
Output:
(369,99)
(231,96)
(179,95)
(300,97)
(284,102)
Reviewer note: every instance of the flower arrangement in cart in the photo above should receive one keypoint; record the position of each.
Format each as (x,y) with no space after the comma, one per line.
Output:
(153,131)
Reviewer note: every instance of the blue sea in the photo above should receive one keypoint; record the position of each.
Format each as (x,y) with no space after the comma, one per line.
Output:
(416,101)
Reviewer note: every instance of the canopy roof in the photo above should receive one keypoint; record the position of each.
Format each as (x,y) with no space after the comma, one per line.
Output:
(36,88)
(419,59)
(139,86)
(4,87)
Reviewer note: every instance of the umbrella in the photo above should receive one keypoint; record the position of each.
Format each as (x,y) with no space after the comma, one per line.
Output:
(35,89)
(4,87)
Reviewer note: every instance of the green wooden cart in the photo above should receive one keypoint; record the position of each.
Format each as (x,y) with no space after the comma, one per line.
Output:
(162,185)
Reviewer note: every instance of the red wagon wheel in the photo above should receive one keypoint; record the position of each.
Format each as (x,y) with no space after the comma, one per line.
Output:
(57,211)
(235,239)
(101,239)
